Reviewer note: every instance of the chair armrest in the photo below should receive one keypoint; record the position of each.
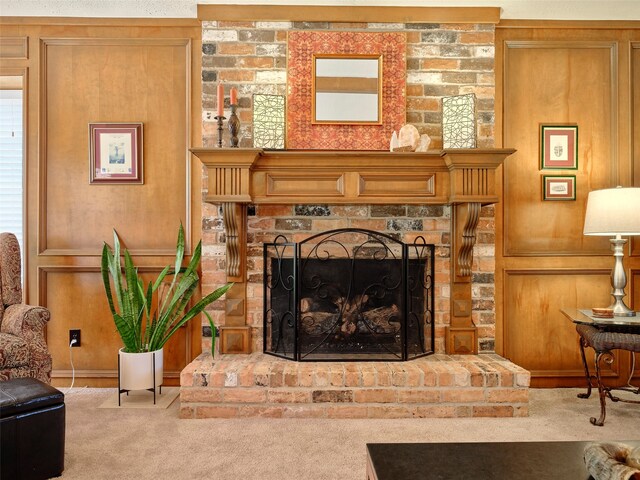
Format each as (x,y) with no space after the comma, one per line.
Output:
(25,321)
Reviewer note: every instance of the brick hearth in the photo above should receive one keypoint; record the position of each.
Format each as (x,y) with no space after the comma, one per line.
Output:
(260,385)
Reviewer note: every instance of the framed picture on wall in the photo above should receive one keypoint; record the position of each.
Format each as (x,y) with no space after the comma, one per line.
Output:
(115,153)
(559,187)
(558,147)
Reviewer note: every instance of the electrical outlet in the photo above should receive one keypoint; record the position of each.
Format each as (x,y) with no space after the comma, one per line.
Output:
(74,335)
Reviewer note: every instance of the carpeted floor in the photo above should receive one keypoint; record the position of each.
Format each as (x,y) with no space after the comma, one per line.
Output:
(155,444)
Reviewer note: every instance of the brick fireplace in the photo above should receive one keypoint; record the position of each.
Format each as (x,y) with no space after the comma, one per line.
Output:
(252,196)
(442,59)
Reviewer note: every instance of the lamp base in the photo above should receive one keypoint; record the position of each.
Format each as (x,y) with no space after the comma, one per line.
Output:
(621,310)
(619,280)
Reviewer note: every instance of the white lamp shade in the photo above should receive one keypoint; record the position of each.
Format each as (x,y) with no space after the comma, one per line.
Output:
(613,211)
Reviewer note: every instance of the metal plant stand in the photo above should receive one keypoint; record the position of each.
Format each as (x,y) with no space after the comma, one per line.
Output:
(124,390)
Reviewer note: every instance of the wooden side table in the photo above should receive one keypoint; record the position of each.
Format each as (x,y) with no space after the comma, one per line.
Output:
(604,336)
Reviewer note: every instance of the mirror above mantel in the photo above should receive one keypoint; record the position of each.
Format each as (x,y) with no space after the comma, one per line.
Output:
(347,89)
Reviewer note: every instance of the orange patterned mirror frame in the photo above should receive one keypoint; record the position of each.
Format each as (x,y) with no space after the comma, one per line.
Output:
(302,47)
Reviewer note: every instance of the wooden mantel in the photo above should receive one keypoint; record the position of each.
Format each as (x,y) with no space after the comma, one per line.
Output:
(463,178)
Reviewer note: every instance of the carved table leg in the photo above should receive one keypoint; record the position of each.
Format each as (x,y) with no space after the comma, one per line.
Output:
(583,345)
(602,390)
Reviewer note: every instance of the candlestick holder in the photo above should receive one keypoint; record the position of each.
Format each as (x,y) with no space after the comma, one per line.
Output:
(234,126)
(220,120)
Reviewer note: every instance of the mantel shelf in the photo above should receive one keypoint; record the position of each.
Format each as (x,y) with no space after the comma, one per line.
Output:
(250,175)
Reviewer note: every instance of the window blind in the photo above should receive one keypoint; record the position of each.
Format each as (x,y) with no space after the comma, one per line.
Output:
(11,185)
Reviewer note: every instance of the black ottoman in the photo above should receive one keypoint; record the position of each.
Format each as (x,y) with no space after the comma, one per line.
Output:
(31,430)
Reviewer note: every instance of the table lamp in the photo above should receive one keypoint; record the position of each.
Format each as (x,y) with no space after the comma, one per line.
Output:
(614,212)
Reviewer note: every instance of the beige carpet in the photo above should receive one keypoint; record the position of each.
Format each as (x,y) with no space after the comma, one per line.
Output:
(142,399)
(155,444)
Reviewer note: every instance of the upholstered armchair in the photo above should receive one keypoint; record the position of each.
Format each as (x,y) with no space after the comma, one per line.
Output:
(23,349)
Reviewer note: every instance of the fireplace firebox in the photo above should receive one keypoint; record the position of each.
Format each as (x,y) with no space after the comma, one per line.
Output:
(348,295)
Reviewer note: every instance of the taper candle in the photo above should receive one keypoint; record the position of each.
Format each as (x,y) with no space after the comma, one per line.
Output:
(234,96)
(220,100)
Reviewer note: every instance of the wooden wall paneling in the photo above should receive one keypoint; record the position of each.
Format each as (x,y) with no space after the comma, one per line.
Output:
(499,207)
(633,300)
(573,72)
(76,299)
(113,80)
(634,144)
(115,68)
(560,28)
(194,191)
(544,82)
(634,83)
(634,289)
(14,47)
(541,332)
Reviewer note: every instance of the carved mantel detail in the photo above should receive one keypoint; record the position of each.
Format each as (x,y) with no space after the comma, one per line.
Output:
(463,178)
(467,239)
(233,216)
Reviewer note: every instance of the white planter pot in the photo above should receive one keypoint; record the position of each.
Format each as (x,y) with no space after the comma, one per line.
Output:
(136,370)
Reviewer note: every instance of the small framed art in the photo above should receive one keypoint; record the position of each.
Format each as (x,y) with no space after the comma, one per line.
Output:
(558,147)
(115,153)
(559,187)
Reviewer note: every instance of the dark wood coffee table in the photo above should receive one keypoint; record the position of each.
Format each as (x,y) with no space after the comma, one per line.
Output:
(486,461)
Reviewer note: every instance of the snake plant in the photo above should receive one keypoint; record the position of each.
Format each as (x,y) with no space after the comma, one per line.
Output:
(142,327)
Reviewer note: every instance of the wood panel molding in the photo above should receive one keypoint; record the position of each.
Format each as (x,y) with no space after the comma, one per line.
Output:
(283,184)
(16,48)
(612,371)
(100,22)
(634,127)
(332,13)
(510,249)
(613,90)
(92,373)
(91,329)
(634,289)
(382,184)
(44,210)
(43,271)
(550,25)
(533,318)
(114,41)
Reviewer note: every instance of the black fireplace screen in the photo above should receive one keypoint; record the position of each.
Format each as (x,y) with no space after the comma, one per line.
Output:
(348,294)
